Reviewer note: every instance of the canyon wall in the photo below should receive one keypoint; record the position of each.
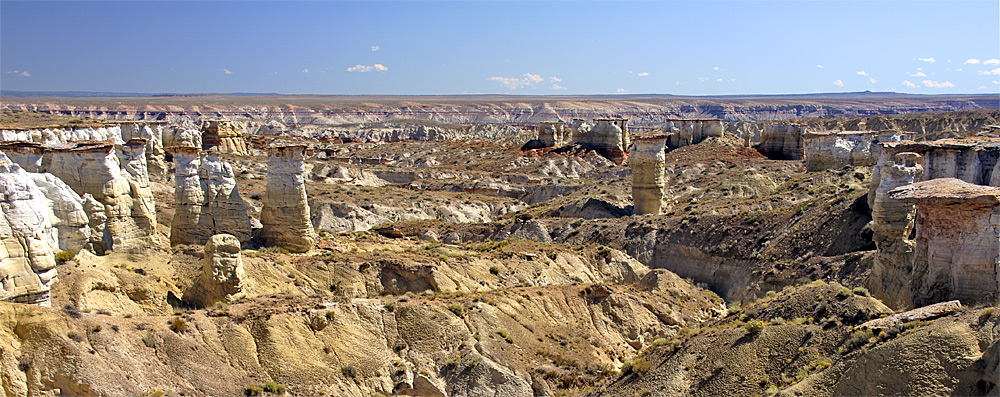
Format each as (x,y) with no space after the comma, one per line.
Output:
(684,132)
(27,260)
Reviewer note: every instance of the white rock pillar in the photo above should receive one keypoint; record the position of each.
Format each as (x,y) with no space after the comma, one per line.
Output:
(647,161)
(285,215)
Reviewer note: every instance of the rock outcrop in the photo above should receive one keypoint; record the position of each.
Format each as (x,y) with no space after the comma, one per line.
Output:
(782,141)
(551,133)
(691,131)
(27,261)
(223,135)
(608,137)
(207,199)
(94,168)
(27,155)
(647,161)
(222,274)
(837,149)
(68,217)
(892,224)
(179,137)
(957,254)
(285,215)
(152,132)
(64,134)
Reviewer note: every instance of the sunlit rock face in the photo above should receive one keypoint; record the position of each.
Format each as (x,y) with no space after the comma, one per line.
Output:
(68,217)
(64,134)
(224,136)
(122,188)
(285,215)
(27,261)
(207,199)
(551,133)
(686,132)
(957,250)
(222,274)
(647,161)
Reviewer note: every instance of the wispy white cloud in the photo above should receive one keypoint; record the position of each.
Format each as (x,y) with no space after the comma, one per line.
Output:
(306,70)
(861,73)
(558,87)
(643,74)
(703,79)
(374,48)
(715,68)
(991,62)
(989,72)
(872,79)
(555,79)
(838,83)
(907,83)
(621,91)
(364,68)
(819,66)
(718,80)
(527,80)
(971,61)
(226,71)
(959,70)
(925,59)
(996,82)
(20,72)
(937,84)
(918,74)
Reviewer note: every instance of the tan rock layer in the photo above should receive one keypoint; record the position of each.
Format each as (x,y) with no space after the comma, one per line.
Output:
(285,215)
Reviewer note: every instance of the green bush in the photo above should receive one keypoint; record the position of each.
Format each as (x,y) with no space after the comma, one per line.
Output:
(843,292)
(274,387)
(64,256)
(456,308)
(178,325)
(858,338)
(349,371)
(861,291)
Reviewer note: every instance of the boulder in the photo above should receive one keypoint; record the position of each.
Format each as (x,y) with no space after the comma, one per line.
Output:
(222,274)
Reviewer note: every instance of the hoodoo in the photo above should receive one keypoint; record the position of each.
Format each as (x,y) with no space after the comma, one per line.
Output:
(647,161)
(285,216)
(958,241)
(208,201)
(782,141)
(892,223)
(691,131)
(550,133)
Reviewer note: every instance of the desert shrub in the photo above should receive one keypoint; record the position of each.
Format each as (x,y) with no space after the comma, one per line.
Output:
(753,327)
(178,325)
(24,363)
(253,390)
(456,308)
(274,387)
(64,256)
(494,270)
(149,341)
(74,336)
(330,315)
(391,306)
(349,371)
(843,292)
(861,291)
(858,338)
(503,334)
(638,366)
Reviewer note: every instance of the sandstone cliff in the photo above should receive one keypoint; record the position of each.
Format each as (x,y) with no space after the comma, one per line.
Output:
(207,199)
(68,217)
(686,132)
(647,161)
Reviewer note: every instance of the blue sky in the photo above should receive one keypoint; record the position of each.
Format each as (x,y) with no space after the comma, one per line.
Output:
(422,47)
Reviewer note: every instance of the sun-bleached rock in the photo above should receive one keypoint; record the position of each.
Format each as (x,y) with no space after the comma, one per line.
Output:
(222,274)
(64,134)
(550,133)
(99,238)
(691,131)
(179,137)
(285,215)
(609,137)
(782,141)
(207,199)
(27,260)
(72,226)
(27,155)
(94,168)
(957,254)
(152,133)
(647,161)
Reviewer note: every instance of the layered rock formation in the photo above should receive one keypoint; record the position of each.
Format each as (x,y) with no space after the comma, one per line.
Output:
(285,215)
(63,134)
(207,199)
(222,274)
(957,254)
(68,217)
(179,137)
(27,261)
(27,155)
(124,192)
(647,161)
(892,224)
(691,131)
(152,132)
(224,136)
(782,141)
(609,137)
(837,149)
(551,133)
